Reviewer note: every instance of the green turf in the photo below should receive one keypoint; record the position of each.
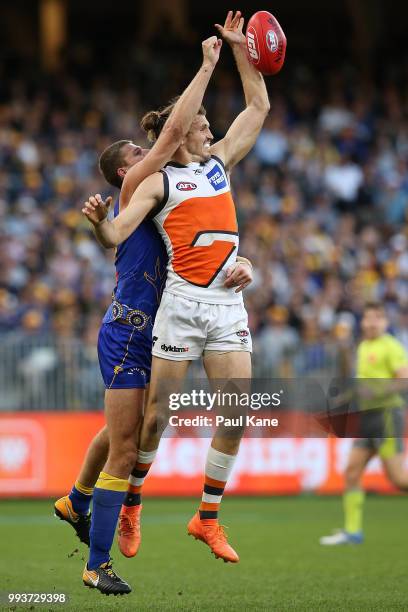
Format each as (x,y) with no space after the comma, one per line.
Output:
(282,566)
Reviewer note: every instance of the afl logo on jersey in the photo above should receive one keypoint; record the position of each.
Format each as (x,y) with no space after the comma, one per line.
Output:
(186,186)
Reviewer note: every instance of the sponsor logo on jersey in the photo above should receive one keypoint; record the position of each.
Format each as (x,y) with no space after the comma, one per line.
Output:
(154,340)
(272,41)
(217,178)
(242,333)
(183,186)
(174,349)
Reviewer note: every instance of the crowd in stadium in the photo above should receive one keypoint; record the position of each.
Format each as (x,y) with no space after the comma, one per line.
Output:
(322,202)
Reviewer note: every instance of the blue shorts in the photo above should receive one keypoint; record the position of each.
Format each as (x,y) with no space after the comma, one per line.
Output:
(125,356)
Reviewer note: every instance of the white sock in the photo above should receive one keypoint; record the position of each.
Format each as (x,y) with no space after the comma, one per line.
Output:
(219,465)
(146,458)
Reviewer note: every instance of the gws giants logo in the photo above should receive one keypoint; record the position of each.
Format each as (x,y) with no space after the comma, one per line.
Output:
(272,41)
(186,186)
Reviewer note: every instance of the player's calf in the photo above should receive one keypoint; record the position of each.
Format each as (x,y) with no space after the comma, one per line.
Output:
(395,469)
(122,457)
(154,424)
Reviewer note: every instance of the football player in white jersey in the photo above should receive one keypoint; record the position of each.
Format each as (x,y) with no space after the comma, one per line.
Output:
(199,316)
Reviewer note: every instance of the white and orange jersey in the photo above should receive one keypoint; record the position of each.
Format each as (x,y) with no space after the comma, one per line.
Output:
(198,224)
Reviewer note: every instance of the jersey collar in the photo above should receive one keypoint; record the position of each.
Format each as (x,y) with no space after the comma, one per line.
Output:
(192,165)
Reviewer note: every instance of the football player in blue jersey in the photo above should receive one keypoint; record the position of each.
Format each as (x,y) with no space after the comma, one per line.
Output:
(124,349)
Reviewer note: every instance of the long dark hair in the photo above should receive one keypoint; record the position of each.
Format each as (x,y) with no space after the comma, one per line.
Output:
(153,121)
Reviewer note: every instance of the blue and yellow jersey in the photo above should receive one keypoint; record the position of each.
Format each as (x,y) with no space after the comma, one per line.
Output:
(380,359)
(140,264)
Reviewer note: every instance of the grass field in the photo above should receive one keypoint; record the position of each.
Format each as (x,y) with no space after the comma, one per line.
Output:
(282,566)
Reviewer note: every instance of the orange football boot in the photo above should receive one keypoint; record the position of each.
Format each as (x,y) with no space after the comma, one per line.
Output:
(212,533)
(129,536)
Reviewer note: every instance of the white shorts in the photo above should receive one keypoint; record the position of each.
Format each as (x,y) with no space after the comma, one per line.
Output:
(184,329)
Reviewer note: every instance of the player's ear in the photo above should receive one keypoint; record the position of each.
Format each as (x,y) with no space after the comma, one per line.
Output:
(121,172)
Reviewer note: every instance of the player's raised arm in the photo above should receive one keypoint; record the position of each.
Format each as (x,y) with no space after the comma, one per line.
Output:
(111,233)
(244,131)
(177,125)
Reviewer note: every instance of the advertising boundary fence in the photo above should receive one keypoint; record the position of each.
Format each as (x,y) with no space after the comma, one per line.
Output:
(41,453)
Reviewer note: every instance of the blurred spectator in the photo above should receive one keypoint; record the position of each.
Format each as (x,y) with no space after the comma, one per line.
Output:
(276,342)
(401,327)
(272,145)
(344,180)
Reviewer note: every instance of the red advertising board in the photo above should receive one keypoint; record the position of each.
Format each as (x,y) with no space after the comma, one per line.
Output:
(41,453)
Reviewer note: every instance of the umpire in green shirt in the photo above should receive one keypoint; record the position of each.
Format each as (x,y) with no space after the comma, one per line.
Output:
(382,373)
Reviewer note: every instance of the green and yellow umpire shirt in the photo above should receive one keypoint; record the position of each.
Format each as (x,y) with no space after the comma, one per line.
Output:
(378,360)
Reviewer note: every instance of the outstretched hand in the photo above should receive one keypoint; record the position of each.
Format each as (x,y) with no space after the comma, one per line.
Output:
(96,209)
(231,31)
(211,50)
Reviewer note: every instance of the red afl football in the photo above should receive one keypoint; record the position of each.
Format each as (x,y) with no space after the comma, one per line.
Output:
(266,43)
